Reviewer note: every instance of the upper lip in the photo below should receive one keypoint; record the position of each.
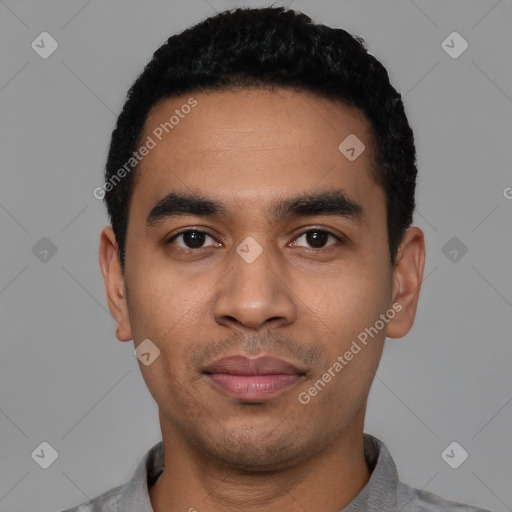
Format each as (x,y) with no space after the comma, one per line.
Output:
(244,365)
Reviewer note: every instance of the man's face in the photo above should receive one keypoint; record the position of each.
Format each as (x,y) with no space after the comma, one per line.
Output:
(299,285)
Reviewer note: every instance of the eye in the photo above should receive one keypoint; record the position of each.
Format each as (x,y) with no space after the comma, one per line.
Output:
(316,238)
(190,239)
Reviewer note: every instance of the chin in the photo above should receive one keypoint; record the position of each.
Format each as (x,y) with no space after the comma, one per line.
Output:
(257,452)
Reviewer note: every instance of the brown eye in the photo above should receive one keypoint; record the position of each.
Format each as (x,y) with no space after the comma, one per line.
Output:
(317,238)
(190,239)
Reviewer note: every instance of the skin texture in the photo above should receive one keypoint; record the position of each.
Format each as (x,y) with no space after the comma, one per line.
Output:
(247,149)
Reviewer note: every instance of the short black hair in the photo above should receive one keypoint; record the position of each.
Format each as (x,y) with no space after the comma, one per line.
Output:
(270,47)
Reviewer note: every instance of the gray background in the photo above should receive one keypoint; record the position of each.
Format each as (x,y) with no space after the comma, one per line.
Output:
(65,379)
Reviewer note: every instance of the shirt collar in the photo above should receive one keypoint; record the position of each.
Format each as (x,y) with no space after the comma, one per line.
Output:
(378,495)
(136,496)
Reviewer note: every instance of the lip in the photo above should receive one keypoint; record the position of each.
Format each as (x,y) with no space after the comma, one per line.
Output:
(252,379)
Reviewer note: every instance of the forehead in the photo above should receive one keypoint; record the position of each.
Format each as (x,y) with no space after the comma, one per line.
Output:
(251,145)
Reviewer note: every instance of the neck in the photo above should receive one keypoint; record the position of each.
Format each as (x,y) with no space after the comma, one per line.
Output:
(328,481)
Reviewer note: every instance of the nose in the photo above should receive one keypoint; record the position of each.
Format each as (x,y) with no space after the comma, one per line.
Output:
(255,293)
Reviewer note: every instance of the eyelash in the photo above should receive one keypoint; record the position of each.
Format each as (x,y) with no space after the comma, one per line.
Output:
(312,229)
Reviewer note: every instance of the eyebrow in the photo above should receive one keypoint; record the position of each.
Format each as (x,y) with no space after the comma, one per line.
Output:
(332,202)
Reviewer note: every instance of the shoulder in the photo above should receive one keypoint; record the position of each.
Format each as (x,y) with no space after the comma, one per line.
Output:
(106,502)
(411,499)
(134,494)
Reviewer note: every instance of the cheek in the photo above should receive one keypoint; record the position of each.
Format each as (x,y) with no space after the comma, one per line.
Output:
(352,301)
(171,311)
(158,304)
(350,307)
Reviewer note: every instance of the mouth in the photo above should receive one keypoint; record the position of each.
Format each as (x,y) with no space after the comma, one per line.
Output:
(252,379)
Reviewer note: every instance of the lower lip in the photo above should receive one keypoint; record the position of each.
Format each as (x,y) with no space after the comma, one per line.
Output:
(253,388)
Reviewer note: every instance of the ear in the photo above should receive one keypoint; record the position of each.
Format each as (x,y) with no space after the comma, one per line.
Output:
(114,283)
(407,279)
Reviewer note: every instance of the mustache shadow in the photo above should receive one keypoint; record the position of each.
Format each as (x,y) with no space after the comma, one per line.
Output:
(254,344)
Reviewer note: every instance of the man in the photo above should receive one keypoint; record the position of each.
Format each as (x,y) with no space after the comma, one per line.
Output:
(260,185)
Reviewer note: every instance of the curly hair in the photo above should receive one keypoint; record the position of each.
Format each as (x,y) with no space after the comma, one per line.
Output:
(271,47)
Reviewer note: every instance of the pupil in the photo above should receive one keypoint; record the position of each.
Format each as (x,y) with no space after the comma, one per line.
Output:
(194,239)
(317,237)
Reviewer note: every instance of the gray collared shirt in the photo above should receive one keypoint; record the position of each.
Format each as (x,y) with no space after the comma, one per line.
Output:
(383,492)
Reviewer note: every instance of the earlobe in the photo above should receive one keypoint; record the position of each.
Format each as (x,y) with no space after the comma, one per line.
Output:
(114,283)
(407,279)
